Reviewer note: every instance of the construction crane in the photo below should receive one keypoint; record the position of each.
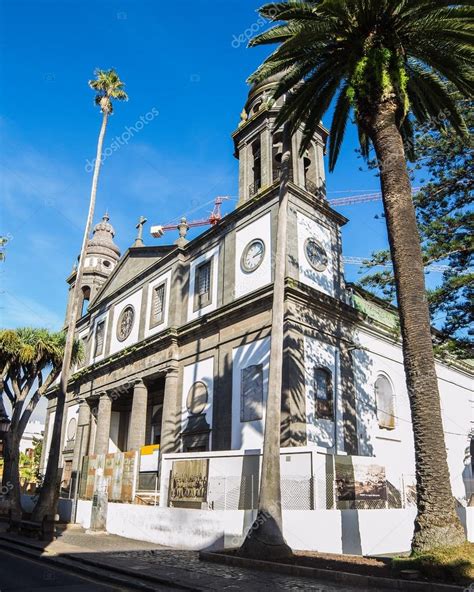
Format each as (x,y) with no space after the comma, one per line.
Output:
(362,260)
(355,199)
(183,226)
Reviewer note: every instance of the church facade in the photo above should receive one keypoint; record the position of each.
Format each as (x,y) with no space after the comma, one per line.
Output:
(177,337)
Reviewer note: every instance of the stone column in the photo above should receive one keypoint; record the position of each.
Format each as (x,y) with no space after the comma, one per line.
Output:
(137,427)
(82,435)
(102,433)
(266,156)
(169,420)
(243,173)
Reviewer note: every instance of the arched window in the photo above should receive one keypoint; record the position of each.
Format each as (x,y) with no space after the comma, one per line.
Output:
(385,399)
(86,296)
(323,393)
(257,166)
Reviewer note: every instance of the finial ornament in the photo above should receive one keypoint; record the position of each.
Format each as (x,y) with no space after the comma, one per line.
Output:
(243,117)
(139,240)
(183,231)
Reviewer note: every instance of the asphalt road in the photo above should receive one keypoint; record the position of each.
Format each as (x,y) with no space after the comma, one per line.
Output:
(19,574)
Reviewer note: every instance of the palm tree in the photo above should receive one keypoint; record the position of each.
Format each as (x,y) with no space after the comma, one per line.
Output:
(108,87)
(387,62)
(30,361)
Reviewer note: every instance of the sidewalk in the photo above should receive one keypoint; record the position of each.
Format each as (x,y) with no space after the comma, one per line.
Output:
(153,563)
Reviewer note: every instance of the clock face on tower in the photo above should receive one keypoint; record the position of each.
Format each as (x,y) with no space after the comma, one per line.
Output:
(252,255)
(315,254)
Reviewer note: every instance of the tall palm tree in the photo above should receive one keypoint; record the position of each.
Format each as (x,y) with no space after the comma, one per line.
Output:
(30,361)
(387,62)
(108,87)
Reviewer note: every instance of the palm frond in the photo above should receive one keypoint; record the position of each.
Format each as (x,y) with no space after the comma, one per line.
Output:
(338,126)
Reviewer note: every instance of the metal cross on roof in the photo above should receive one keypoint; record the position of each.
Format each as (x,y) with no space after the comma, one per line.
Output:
(139,240)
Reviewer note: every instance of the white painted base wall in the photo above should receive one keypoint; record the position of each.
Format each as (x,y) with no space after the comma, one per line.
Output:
(367,532)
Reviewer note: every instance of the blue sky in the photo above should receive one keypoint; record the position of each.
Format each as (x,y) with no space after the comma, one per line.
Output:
(187,61)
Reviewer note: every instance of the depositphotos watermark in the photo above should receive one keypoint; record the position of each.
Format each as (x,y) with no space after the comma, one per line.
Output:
(5,490)
(238,40)
(124,137)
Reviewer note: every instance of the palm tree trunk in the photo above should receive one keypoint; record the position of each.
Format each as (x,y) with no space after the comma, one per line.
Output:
(47,501)
(11,473)
(437,523)
(265,538)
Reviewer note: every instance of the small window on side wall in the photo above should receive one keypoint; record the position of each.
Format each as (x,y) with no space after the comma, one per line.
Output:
(385,401)
(203,285)
(99,338)
(158,305)
(323,393)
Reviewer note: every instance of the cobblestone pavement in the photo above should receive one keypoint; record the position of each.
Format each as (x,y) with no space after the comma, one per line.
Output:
(181,567)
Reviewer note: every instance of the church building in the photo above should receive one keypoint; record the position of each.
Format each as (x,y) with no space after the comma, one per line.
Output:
(177,345)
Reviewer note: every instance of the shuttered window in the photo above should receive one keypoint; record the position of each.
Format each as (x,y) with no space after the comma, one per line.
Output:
(323,393)
(158,305)
(385,400)
(203,285)
(99,338)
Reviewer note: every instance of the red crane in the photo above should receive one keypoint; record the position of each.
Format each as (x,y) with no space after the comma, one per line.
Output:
(183,226)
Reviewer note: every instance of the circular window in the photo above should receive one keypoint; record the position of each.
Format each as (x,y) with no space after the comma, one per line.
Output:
(71,429)
(252,255)
(197,398)
(125,323)
(106,263)
(315,254)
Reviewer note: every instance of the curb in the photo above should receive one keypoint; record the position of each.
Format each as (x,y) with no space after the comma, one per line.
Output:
(339,577)
(89,568)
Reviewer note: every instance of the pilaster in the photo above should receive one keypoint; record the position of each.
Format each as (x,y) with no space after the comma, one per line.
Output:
(137,429)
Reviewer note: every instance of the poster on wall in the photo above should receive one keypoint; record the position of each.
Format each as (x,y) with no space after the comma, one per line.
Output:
(90,479)
(359,480)
(129,476)
(116,482)
(188,483)
(108,472)
(149,458)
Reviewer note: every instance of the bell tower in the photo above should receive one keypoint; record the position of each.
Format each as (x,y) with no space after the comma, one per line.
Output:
(102,255)
(258,147)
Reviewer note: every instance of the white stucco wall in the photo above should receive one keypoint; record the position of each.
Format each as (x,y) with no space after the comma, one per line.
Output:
(82,336)
(72,411)
(321,280)
(114,431)
(248,282)
(394,448)
(248,435)
(134,300)
(202,371)
(165,277)
(49,436)
(103,315)
(318,354)
(211,254)
(356,532)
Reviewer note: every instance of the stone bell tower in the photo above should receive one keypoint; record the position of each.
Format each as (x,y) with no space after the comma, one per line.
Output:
(258,146)
(102,255)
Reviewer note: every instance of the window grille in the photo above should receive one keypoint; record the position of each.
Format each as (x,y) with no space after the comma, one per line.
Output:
(99,338)
(158,305)
(323,393)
